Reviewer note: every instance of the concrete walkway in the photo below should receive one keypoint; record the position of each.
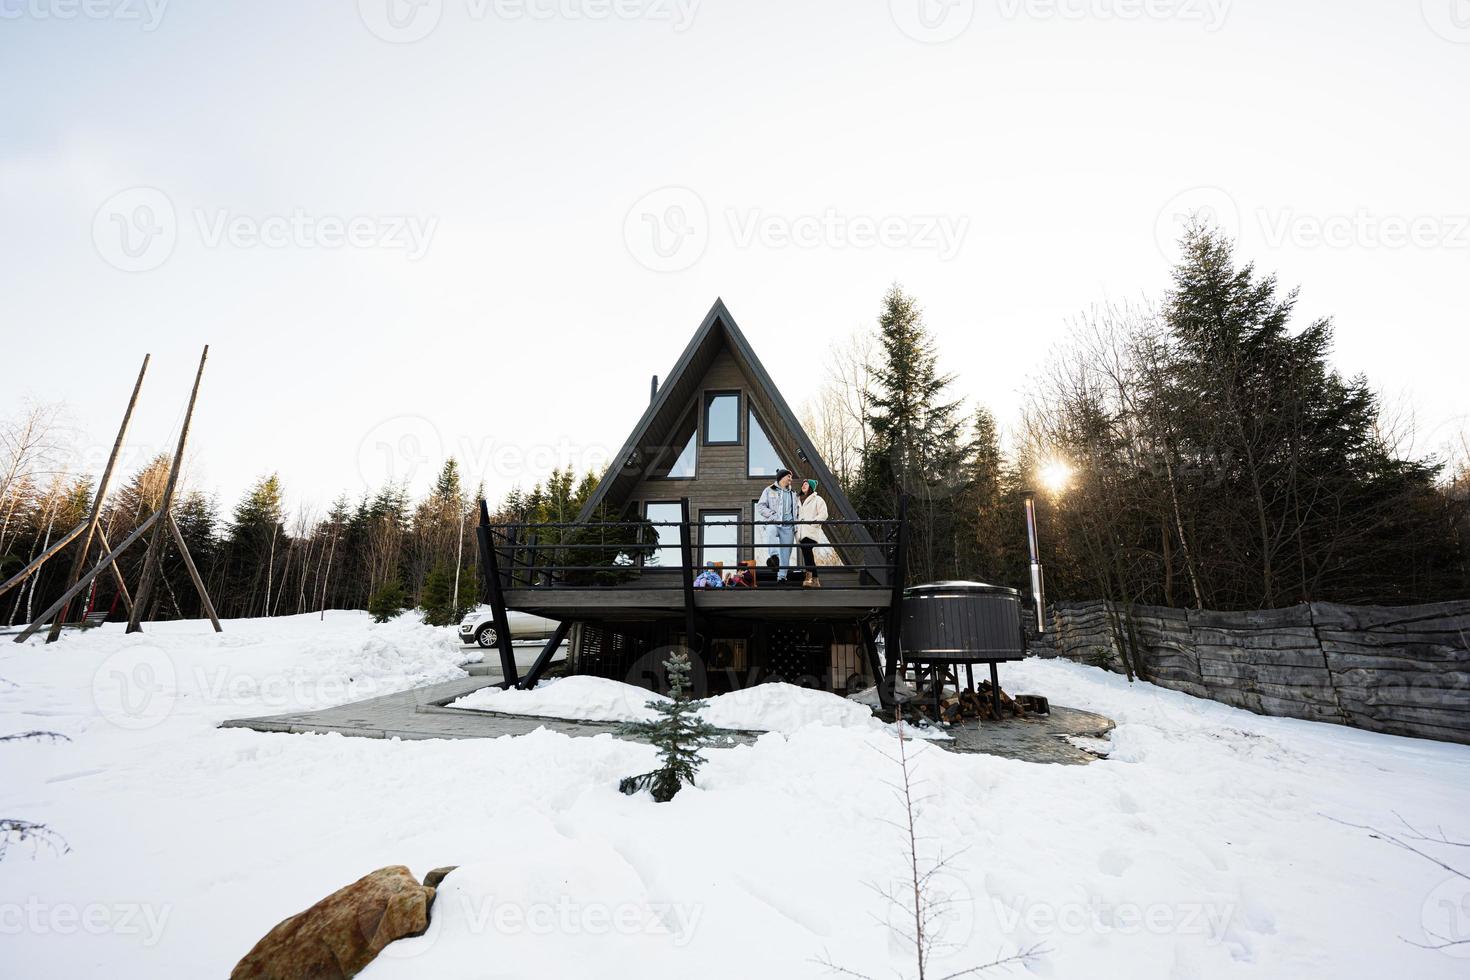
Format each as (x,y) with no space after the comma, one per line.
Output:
(1066,736)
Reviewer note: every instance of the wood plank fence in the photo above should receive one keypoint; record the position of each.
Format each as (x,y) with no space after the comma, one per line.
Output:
(1402,670)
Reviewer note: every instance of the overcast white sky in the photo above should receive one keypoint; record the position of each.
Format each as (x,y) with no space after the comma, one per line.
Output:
(478,227)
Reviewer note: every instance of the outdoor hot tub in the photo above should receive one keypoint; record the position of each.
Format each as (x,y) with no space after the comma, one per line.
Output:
(946,624)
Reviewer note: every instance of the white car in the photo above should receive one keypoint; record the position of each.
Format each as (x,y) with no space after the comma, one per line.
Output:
(479,627)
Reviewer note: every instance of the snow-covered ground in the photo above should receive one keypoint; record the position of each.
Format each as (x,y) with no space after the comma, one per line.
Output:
(765,708)
(1203,848)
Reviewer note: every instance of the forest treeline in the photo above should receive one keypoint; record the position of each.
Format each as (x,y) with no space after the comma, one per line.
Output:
(1213,459)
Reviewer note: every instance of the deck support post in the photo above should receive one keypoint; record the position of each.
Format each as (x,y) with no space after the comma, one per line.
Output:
(490,571)
(533,676)
(686,558)
(892,647)
(870,651)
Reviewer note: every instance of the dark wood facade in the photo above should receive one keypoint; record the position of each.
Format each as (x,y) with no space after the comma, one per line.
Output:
(685,456)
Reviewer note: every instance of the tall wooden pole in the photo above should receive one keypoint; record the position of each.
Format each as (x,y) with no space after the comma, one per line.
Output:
(183,547)
(80,558)
(157,542)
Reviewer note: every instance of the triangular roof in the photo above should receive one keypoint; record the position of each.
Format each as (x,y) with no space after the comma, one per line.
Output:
(669,407)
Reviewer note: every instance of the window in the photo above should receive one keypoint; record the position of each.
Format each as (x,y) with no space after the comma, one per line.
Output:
(761,459)
(719,537)
(667,554)
(722,418)
(667,466)
(683,468)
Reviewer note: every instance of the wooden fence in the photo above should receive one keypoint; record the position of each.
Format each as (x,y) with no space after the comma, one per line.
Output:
(1402,670)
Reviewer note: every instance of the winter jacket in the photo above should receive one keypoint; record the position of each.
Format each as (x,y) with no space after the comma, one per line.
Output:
(813,512)
(769,506)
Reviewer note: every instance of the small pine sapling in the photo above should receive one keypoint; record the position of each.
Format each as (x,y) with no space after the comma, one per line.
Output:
(678,734)
(387,602)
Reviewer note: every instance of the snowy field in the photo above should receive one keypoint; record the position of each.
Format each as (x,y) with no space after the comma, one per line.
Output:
(1203,848)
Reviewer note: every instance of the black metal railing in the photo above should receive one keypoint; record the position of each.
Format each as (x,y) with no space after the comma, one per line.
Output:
(604,554)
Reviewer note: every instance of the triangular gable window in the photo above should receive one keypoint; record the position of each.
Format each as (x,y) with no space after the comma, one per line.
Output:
(762,460)
(683,468)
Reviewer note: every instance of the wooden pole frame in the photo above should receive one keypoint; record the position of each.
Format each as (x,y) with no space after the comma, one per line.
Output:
(157,541)
(86,580)
(98,500)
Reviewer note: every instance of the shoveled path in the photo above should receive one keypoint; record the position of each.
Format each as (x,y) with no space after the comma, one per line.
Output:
(421,714)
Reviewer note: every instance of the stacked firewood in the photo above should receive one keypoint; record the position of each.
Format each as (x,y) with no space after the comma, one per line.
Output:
(978,704)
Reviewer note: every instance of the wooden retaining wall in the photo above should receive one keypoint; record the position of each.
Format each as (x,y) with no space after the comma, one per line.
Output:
(1403,670)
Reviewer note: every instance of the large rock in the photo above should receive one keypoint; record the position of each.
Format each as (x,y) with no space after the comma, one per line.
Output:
(338,936)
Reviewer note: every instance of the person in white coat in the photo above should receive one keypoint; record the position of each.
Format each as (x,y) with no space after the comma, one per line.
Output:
(811,514)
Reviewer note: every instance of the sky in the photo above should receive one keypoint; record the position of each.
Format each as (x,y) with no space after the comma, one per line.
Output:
(409,229)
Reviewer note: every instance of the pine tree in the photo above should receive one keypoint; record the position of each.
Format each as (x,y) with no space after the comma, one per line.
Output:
(387,602)
(438,600)
(917,447)
(678,734)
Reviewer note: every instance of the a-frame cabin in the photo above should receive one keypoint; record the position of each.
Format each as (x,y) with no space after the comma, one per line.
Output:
(685,482)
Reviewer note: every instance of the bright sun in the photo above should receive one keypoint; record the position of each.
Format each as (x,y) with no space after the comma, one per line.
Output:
(1055,475)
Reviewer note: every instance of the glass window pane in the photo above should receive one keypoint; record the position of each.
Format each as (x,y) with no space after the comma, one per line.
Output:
(722,418)
(668,537)
(763,459)
(683,467)
(720,538)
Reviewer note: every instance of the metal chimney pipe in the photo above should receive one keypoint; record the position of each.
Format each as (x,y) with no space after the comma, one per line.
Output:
(1038,588)
(653,389)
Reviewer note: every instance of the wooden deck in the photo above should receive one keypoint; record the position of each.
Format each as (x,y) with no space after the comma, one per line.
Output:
(647,602)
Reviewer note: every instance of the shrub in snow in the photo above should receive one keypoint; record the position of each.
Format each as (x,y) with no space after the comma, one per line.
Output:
(386,603)
(678,734)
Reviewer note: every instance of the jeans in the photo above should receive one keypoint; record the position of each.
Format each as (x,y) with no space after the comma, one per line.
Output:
(778,542)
